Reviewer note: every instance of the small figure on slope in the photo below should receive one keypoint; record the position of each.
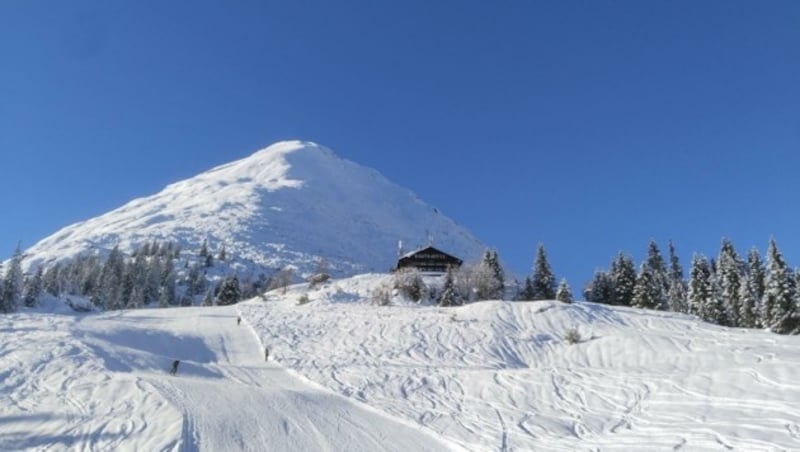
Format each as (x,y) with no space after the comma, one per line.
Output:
(174,369)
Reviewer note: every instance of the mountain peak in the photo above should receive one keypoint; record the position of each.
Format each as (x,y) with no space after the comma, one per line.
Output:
(290,203)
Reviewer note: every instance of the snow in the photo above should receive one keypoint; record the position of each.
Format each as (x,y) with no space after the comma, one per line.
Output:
(348,375)
(288,204)
(99,382)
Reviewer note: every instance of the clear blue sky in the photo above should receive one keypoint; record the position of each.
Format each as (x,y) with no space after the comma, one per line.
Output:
(589,126)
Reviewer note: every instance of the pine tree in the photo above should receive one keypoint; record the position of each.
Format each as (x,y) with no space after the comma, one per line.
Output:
(111,279)
(89,270)
(12,282)
(748,312)
(752,291)
(601,289)
(166,296)
(779,312)
(195,282)
(729,277)
(700,289)
(647,291)
(526,293)
(564,293)
(152,282)
(167,286)
(450,296)
(658,272)
(33,288)
(676,292)
(543,282)
(223,254)
(623,277)
(499,275)
(208,300)
(208,260)
(134,285)
(229,292)
(487,278)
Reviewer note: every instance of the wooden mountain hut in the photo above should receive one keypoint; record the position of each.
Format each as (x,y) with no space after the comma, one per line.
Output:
(428,260)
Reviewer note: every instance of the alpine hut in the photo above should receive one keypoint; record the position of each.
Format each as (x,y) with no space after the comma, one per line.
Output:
(428,260)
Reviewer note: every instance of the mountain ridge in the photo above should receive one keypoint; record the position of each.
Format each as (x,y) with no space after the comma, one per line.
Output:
(291,203)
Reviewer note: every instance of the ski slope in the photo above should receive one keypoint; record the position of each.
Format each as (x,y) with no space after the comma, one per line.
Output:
(500,376)
(99,382)
(347,375)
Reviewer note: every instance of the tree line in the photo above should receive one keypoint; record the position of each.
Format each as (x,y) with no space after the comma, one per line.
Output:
(148,276)
(731,290)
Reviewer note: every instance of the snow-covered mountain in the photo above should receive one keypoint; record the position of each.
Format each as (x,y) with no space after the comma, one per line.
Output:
(290,203)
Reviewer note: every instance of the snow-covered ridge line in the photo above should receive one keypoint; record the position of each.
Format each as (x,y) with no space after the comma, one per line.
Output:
(291,203)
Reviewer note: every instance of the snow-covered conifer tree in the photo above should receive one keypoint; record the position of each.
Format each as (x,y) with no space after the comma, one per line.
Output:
(152,282)
(676,292)
(564,293)
(499,275)
(623,277)
(729,278)
(166,295)
(208,300)
(752,291)
(647,293)
(51,281)
(229,291)
(543,282)
(779,312)
(658,273)
(601,289)
(487,278)
(450,296)
(33,288)
(526,292)
(111,279)
(700,289)
(12,282)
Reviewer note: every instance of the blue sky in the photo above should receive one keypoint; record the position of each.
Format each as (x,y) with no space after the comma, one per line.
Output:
(591,127)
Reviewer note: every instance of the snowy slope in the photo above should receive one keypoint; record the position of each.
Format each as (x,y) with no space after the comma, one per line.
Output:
(347,375)
(500,376)
(286,204)
(98,382)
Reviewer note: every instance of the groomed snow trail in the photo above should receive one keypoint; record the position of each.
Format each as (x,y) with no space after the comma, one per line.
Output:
(255,405)
(100,382)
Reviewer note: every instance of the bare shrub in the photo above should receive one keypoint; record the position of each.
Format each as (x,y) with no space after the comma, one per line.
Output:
(282,279)
(317,279)
(573,336)
(408,281)
(382,295)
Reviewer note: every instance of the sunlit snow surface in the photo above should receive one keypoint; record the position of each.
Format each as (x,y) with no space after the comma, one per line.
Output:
(290,203)
(345,375)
